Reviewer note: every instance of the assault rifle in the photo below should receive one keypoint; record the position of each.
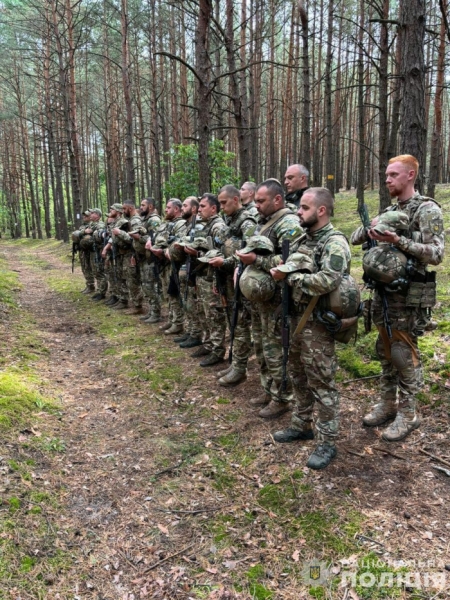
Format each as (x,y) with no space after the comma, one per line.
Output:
(236,306)
(285,318)
(189,258)
(365,220)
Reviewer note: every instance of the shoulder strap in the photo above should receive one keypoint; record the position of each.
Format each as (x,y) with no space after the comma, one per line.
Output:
(321,245)
(274,219)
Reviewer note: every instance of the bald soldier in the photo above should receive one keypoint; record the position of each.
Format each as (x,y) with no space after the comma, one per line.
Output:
(296,184)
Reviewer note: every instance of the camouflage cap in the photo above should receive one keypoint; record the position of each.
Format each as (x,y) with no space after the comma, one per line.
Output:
(199,243)
(87,212)
(392,220)
(211,254)
(299,261)
(97,211)
(259,244)
(117,207)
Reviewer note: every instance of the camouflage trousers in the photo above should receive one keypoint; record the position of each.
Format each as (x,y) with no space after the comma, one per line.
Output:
(132,279)
(111,277)
(266,330)
(99,272)
(151,286)
(85,262)
(312,367)
(242,343)
(402,372)
(176,315)
(212,316)
(192,324)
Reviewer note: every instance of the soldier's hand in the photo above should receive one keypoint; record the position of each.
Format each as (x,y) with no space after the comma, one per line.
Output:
(135,234)
(104,253)
(246,259)
(190,251)
(157,252)
(167,253)
(388,236)
(88,230)
(116,231)
(277,275)
(216,262)
(148,245)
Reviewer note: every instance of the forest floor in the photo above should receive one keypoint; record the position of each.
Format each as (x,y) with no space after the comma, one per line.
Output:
(127,472)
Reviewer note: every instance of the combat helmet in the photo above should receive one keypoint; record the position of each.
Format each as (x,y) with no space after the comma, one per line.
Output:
(76,236)
(257,285)
(384,264)
(344,301)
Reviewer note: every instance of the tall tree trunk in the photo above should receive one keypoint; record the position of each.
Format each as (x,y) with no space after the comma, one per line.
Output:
(413,133)
(130,181)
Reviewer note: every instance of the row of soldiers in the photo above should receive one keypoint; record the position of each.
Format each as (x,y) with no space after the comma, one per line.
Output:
(260,262)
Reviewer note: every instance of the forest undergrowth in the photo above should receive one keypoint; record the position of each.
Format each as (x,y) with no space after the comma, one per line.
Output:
(126,472)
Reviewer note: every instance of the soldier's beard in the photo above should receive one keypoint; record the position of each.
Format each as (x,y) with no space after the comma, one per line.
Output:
(144,213)
(187,215)
(308,223)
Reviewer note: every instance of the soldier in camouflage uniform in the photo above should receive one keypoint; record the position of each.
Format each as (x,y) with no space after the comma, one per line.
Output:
(276,222)
(167,234)
(84,254)
(130,266)
(238,222)
(408,312)
(192,335)
(115,218)
(118,247)
(96,229)
(296,184)
(247,193)
(210,303)
(312,358)
(148,266)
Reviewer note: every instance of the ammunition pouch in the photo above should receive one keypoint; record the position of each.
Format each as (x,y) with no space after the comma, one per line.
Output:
(422,290)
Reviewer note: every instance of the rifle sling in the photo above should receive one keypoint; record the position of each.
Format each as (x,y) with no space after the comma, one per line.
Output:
(306,315)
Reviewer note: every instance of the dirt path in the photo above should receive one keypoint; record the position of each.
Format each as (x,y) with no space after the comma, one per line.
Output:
(146,485)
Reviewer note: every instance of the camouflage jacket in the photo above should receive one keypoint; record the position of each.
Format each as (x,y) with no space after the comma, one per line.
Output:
(231,237)
(251,208)
(425,241)
(123,239)
(332,258)
(285,227)
(214,228)
(149,224)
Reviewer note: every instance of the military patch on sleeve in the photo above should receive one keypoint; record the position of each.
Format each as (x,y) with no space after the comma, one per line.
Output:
(435,225)
(336,262)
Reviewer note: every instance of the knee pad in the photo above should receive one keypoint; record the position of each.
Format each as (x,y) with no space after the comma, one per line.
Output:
(401,356)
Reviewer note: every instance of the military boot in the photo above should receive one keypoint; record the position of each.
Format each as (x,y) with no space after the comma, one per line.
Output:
(97,297)
(147,315)
(233,377)
(261,400)
(165,326)
(174,329)
(89,289)
(286,436)
(121,305)
(322,456)
(181,338)
(153,319)
(135,310)
(380,413)
(405,422)
(111,300)
(211,359)
(202,351)
(224,371)
(191,342)
(274,410)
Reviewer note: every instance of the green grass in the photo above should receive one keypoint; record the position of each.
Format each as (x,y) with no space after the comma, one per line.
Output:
(19,398)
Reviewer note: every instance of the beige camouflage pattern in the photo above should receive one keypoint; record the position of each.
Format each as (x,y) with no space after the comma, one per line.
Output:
(402,373)
(312,359)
